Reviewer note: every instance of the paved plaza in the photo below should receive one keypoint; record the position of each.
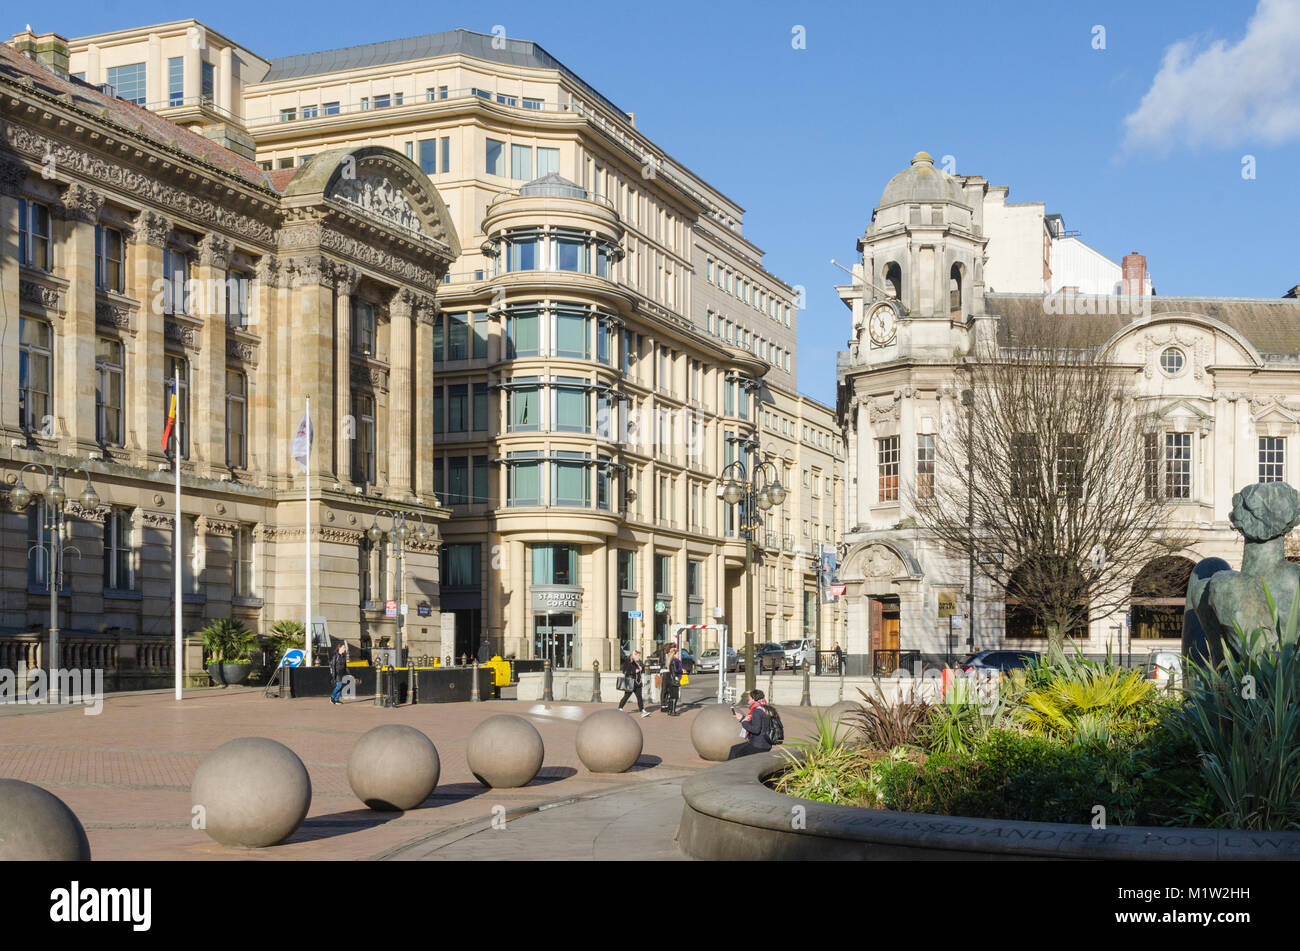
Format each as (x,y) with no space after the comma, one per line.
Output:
(126,773)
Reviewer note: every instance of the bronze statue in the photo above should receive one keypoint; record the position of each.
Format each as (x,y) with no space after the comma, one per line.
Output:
(1218,597)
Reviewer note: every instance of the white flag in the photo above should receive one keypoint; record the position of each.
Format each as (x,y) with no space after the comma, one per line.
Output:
(301,446)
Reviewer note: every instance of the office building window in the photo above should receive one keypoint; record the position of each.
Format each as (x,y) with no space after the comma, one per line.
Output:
(207,81)
(523,405)
(626,570)
(383,102)
(480,489)
(176,281)
(33,234)
(480,415)
(128,82)
(363,438)
(532,103)
(663,574)
(445,147)
(363,328)
(1178,465)
(570,485)
(924,467)
(524,480)
(570,338)
(1272,458)
(570,406)
(109,391)
(887,468)
(109,270)
(521,163)
(495,158)
(35,375)
(507,100)
(175,80)
(548,161)
(439,409)
(555,564)
(117,550)
(236,420)
(458,408)
(480,338)
(311,112)
(457,480)
(522,334)
(331,108)
(241,557)
(460,565)
(288,115)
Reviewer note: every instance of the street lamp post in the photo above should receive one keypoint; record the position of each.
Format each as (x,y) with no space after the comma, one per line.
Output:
(398,532)
(755,487)
(55,497)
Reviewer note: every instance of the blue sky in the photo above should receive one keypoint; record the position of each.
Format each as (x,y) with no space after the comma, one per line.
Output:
(805,139)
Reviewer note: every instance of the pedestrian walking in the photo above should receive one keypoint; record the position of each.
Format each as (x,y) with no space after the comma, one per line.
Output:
(630,682)
(754,724)
(839,659)
(338,670)
(672,681)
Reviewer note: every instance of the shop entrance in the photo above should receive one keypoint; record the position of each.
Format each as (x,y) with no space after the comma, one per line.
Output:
(555,638)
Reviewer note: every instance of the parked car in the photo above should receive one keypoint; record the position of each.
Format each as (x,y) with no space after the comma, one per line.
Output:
(709,660)
(769,656)
(1000,660)
(801,652)
(1165,667)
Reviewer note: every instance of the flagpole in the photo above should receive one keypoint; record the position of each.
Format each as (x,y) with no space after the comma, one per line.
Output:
(307,523)
(178,539)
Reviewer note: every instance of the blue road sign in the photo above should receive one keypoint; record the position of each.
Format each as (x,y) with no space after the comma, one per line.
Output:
(634,614)
(292,658)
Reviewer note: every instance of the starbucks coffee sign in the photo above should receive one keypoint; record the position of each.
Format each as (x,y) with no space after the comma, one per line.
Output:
(556,597)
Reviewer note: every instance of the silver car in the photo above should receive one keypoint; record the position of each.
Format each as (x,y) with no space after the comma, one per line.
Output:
(709,660)
(800,652)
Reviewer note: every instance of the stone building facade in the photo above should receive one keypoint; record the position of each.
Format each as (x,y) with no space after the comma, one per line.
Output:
(1218,381)
(673,298)
(136,251)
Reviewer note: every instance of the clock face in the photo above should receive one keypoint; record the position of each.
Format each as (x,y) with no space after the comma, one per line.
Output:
(881,324)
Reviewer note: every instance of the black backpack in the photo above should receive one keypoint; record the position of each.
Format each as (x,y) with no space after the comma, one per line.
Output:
(773,730)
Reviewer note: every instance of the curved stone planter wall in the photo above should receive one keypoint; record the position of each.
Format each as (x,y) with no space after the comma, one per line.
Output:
(730,815)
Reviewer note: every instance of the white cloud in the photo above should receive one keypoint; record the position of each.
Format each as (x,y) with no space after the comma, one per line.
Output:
(1226,94)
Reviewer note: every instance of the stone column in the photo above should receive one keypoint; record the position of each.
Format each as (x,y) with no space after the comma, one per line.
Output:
(345,283)
(399,393)
(865,488)
(518,633)
(613,601)
(145,351)
(225,80)
(208,385)
(75,399)
(192,69)
(273,351)
(595,634)
(12,175)
(155,69)
(422,417)
(312,366)
(906,450)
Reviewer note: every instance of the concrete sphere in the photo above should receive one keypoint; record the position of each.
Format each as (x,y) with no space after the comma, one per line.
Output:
(37,826)
(254,792)
(609,741)
(714,732)
(393,767)
(841,714)
(505,751)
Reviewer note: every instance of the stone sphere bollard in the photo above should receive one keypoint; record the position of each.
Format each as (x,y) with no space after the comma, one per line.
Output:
(254,792)
(609,741)
(393,767)
(38,826)
(714,732)
(841,715)
(505,751)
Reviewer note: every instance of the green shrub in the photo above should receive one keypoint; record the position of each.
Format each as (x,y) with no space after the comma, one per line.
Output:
(1243,717)
(284,635)
(227,641)
(884,726)
(1086,702)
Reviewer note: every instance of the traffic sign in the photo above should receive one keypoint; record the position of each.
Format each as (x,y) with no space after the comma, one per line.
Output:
(292,658)
(634,614)
(390,609)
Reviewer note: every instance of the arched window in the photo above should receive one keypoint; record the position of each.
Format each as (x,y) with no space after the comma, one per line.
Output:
(1159,597)
(1027,584)
(894,280)
(954,291)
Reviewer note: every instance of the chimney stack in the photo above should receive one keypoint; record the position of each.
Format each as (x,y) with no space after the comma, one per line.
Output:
(1135,274)
(50,48)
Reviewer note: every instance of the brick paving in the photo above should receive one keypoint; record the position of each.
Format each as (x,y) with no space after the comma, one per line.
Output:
(126,773)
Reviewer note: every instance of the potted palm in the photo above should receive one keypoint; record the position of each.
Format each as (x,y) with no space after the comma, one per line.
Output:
(284,635)
(227,644)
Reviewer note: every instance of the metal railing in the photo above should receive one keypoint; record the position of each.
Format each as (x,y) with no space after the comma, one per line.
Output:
(885,662)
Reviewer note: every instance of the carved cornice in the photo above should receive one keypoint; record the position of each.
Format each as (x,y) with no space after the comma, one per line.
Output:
(310,270)
(152,228)
(426,310)
(345,279)
(365,374)
(241,350)
(80,203)
(267,268)
(186,336)
(213,526)
(158,519)
(111,314)
(392,265)
(77,511)
(34,292)
(324,534)
(214,251)
(140,184)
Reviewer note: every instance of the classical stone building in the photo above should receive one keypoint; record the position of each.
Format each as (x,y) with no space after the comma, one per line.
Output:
(135,251)
(1218,380)
(607,338)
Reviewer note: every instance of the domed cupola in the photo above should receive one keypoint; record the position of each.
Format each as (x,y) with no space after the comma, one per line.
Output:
(921,182)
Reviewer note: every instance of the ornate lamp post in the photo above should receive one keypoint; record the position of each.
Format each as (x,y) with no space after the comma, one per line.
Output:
(757,488)
(55,497)
(398,532)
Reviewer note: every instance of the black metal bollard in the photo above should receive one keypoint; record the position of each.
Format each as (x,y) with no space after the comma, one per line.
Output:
(415,684)
(548,690)
(595,681)
(473,686)
(806,699)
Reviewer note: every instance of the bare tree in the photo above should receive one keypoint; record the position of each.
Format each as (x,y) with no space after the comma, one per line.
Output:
(1049,483)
